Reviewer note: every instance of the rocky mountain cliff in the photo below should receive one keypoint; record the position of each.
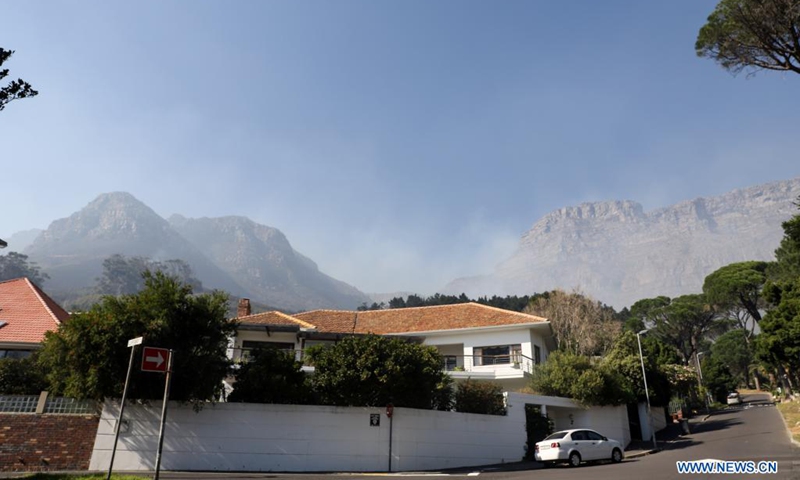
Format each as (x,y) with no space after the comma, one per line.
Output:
(261,259)
(618,253)
(232,254)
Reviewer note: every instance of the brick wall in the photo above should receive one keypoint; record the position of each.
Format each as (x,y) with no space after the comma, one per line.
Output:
(30,442)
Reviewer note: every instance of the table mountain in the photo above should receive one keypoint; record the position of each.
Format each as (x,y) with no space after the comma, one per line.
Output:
(618,253)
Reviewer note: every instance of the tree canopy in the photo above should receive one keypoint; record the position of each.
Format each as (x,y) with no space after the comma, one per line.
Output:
(16,265)
(270,375)
(581,325)
(753,35)
(87,357)
(375,371)
(16,89)
(124,275)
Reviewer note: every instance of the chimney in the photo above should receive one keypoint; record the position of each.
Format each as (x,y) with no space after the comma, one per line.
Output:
(244,308)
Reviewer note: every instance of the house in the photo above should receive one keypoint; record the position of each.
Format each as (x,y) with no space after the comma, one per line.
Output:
(476,341)
(26,314)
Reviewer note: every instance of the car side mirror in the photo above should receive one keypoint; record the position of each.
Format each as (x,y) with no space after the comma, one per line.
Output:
(605,439)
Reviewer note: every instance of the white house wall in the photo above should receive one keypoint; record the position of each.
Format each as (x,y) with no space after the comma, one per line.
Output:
(487,338)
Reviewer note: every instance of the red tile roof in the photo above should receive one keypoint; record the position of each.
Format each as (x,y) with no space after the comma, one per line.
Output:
(331,321)
(410,320)
(272,318)
(28,312)
(442,317)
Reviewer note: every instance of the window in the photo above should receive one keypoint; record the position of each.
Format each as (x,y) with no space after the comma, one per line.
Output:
(579,435)
(17,354)
(249,345)
(594,436)
(537,355)
(497,354)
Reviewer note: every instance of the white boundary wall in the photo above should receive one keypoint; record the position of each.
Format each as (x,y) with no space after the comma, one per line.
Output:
(295,438)
(309,438)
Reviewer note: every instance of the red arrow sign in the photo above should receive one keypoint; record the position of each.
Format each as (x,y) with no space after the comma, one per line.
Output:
(155,359)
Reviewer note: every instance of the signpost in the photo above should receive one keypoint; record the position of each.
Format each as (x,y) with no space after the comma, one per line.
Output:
(155,359)
(132,345)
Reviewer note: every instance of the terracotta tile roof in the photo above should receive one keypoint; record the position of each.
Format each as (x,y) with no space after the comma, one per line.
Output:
(400,320)
(442,317)
(331,321)
(28,311)
(272,318)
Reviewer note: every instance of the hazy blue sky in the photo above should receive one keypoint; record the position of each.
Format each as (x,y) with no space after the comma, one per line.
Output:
(398,144)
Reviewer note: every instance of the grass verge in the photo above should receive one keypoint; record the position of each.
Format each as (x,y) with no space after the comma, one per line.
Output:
(82,476)
(791,413)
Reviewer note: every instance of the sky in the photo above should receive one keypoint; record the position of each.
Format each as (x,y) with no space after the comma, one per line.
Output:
(399,144)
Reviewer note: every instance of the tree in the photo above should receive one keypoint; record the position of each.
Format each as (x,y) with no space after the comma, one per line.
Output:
(580,324)
(683,322)
(87,356)
(574,376)
(21,376)
(16,265)
(623,358)
(732,349)
(717,378)
(778,344)
(480,397)
(270,375)
(787,257)
(753,34)
(736,289)
(375,371)
(17,88)
(124,275)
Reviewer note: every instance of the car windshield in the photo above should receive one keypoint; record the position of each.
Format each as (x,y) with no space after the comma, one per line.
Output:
(733,395)
(556,436)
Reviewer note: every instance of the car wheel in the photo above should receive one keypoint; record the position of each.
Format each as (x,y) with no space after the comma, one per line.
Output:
(616,455)
(574,459)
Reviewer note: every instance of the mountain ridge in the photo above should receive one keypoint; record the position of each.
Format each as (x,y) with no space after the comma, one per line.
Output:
(72,249)
(619,253)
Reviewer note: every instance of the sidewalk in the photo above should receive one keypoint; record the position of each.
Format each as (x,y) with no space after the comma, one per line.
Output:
(672,432)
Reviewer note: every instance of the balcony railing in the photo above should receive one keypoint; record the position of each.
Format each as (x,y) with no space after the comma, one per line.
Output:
(471,363)
(450,363)
(240,355)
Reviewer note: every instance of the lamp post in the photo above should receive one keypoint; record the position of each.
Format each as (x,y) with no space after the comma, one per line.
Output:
(700,379)
(646,391)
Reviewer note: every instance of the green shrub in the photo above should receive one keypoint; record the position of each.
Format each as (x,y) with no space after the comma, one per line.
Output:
(480,397)
(21,376)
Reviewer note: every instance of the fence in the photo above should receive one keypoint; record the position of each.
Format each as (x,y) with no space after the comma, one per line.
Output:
(44,403)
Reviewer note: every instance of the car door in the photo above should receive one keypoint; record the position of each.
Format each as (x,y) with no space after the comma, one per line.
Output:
(581,443)
(601,448)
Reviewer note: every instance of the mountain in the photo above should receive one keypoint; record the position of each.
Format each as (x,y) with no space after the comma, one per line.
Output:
(618,253)
(19,241)
(261,259)
(72,249)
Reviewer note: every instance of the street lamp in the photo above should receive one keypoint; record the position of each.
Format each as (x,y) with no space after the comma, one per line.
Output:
(646,392)
(700,379)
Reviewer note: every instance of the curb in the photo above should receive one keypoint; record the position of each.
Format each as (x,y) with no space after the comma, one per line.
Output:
(642,454)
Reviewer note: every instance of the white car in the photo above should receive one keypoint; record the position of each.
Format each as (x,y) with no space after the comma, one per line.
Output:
(576,446)
(734,398)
